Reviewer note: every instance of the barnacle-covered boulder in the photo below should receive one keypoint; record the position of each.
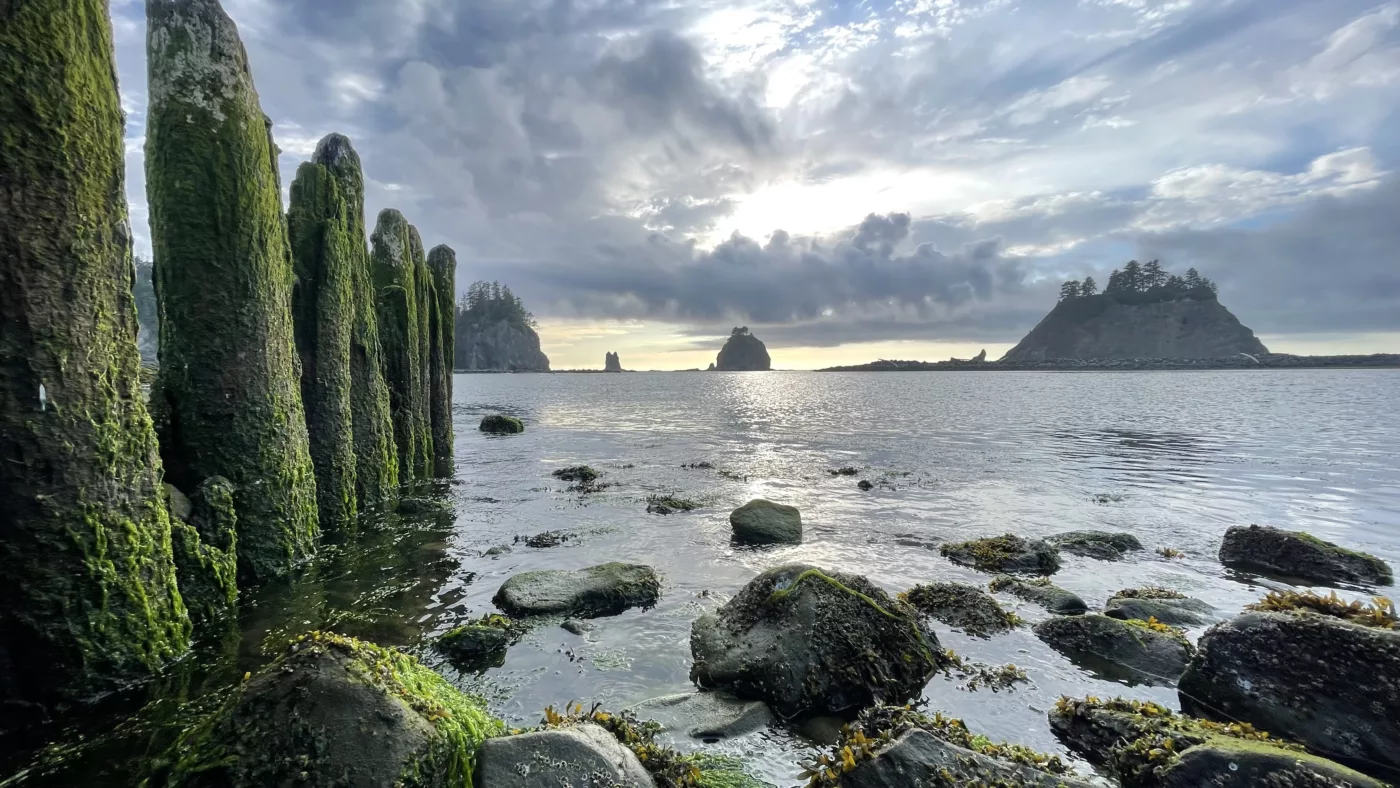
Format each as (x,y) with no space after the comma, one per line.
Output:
(809,640)
(1164,605)
(1300,555)
(1103,545)
(1005,553)
(1148,651)
(961,606)
(1042,592)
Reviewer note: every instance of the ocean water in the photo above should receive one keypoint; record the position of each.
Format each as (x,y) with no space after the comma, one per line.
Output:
(1172,457)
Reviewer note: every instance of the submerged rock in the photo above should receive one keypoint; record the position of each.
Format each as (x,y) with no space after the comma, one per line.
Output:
(742,352)
(578,756)
(765,522)
(1154,654)
(710,716)
(479,644)
(206,552)
(583,474)
(1040,591)
(1328,682)
(1102,545)
(604,590)
(228,399)
(1145,745)
(961,606)
(808,640)
(1299,555)
(1006,553)
(333,712)
(90,600)
(501,425)
(1168,607)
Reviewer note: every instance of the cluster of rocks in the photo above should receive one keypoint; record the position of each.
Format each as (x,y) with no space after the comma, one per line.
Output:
(1240,361)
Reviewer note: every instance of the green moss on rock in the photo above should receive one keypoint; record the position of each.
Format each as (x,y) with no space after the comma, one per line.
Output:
(396,282)
(442,266)
(498,424)
(206,552)
(228,399)
(1006,553)
(88,594)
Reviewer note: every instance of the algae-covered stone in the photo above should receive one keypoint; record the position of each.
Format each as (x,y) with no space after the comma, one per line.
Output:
(1167,607)
(228,399)
(1042,592)
(765,522)
(604,590)
(331,712)
(1328,682)
(498,424)
(206,552)
(1299,555)
(1006,553)
(1103,545)
(442,266)
(324,257)
(962,606)
(475,646)
(577,756)
(396,281)
(1145,745)
(808,640)
(1153,654)
(376,459)
(88,596)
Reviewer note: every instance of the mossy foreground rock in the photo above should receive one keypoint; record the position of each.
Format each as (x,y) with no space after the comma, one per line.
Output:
(1040,591)
(1145,745)
(333,711)
(962,606)
(88,597)
(603,590)
(765,522)
(228,399)
(1102,545)
(1299,555)
(809,640)
(501,425)
(1006,553)
(579,756)
(1152,653)
(1329,683)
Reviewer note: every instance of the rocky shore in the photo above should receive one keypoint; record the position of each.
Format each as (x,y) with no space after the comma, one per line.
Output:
(1265,361)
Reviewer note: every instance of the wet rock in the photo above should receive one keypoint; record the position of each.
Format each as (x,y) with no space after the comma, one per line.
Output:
(1040,591)
(206,552)
(710,716)
(497,551)
(498,424)
(1006,553)
(865,485)
(417,506)
(1299,555)
(1102,545)
(765,522)
(848,470)
(1145,745)
(180,505)
(1332,684)
(669,504)
(770,643)
(604,590)
(823,729)
(546,539)
(961,606)
(1154,655)
(579,756)
(577,627)
(1168,607)
(333,712)
(582,474)
(480,644)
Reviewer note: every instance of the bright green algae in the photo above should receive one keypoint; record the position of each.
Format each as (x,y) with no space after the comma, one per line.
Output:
(442,265)
(423,406)
(395,279)
(228,399)
(88,594)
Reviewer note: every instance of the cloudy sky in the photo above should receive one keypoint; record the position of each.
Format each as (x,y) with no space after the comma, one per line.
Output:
(888,178)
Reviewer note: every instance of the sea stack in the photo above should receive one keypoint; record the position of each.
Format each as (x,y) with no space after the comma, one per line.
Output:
(88,598)
(743,352)
(376,460)
(228,398)
(395,278)
(442,265)
(323,259)
(611,363)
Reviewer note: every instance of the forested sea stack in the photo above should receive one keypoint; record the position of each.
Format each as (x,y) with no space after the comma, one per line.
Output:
(323,308)
(442,263)
(376,461)
(228,399)
(395,279)
(88,596)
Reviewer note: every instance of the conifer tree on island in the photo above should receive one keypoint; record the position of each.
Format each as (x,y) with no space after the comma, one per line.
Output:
(88,595)
(228,399)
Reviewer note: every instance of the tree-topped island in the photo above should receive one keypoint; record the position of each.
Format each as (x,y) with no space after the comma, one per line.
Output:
(495,332)
(743,352)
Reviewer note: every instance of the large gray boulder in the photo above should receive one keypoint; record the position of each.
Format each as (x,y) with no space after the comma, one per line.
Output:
(1042,592)
(1299,555)
(1107,645)
(765,522)
(710,716)
(1332,684)
(806,640)
(603,590)
(581,756)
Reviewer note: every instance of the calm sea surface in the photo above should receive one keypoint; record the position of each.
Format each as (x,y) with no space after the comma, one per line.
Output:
(1174,458)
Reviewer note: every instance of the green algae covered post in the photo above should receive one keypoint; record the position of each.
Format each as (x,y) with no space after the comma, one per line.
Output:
(423,410)
(376,461)
(442,263)
(323,258)
(227,401)
(88,594)
(395,280)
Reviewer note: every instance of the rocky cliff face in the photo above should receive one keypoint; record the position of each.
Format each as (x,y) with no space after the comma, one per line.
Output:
(743,352)
(501,345)
(611,363)
(1104,327)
